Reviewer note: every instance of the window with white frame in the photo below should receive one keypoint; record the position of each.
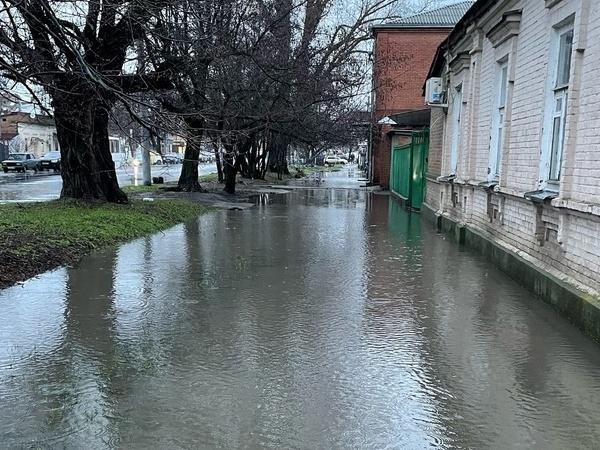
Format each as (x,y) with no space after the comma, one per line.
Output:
(498,117)
(456,117)
(556,108)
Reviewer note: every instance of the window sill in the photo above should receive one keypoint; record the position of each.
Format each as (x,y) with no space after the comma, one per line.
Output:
(488,185)
(446,178)
(541,196)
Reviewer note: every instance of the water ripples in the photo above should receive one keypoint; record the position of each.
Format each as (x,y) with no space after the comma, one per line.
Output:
(293,325)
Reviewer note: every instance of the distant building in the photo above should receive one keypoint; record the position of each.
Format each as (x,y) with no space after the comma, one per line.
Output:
(514,155)
(23,132)
(402,55)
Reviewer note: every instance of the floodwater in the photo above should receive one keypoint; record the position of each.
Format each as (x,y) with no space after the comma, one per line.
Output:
(322,319)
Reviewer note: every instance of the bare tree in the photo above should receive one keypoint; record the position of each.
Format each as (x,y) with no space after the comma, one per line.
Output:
(77,52)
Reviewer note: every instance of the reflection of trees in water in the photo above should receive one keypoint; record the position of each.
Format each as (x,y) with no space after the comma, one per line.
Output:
(77,377)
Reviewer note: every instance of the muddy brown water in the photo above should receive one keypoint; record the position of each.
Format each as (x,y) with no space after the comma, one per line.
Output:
(318,320)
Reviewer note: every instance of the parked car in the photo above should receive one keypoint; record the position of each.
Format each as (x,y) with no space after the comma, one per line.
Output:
(172,158)
(155,158)
(332,160)
(50,161)
(205,157)
(20,162)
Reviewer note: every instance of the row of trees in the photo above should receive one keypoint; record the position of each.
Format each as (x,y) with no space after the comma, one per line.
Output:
(253,76)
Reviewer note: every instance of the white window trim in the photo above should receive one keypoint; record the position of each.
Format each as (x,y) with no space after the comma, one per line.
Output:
(456,128)
(498,120)
(554,93)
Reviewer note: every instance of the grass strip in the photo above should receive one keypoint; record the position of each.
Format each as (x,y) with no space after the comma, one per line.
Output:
(36,237)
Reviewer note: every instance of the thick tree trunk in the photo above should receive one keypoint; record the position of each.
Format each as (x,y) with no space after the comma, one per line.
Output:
(278,154)
(87,168)
(188,180)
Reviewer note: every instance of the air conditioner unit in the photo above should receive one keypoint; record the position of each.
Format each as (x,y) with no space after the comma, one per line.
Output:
(434,93)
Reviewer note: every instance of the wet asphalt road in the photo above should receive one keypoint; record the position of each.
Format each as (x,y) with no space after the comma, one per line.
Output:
(46,186)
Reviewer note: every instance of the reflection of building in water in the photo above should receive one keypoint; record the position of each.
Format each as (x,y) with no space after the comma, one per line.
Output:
(461,333)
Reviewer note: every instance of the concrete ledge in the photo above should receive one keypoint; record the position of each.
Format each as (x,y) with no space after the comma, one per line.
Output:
(582,309)
(430,215)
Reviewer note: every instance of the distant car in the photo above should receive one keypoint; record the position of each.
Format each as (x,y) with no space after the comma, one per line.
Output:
(155,158)
(20,162)
(332,160)
(205,158)
(50,161)
(172,158)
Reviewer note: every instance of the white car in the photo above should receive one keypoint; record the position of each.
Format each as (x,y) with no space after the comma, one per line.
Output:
(332,160)
(155,158)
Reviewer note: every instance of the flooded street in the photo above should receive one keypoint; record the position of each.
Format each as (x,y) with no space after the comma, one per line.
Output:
(320,319)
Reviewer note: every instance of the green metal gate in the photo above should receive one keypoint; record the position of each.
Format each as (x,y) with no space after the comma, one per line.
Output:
(399,183)
(408,168)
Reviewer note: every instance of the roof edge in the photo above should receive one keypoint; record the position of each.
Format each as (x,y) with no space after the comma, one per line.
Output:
(404,26)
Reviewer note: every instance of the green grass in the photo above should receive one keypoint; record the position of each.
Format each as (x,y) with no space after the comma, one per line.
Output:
(35,237)
(211,177)
(141,188)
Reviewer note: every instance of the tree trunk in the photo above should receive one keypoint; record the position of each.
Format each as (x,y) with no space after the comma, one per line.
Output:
(218,161)
(261,164)
(278,146)
(87,168)
(188,180)
(230,168)
(242,157)
(252,161)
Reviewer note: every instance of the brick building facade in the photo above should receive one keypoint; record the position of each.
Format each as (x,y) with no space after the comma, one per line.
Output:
(513,153)
(402,54)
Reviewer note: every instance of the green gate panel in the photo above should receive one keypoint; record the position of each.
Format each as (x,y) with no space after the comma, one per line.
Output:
(400,171)
(420,149)
(408,168)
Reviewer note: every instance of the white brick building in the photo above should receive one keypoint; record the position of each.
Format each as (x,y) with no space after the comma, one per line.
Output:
(519,158)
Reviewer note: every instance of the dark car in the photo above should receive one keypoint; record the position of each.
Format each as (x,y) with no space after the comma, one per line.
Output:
(20,162)
(50,161)
(172,158)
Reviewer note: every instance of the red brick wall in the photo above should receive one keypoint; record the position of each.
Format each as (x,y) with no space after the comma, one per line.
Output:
(402,59)
(381,147)
(401,62)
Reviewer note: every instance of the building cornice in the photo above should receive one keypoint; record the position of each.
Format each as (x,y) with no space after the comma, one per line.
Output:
(506,28)
(460,62)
